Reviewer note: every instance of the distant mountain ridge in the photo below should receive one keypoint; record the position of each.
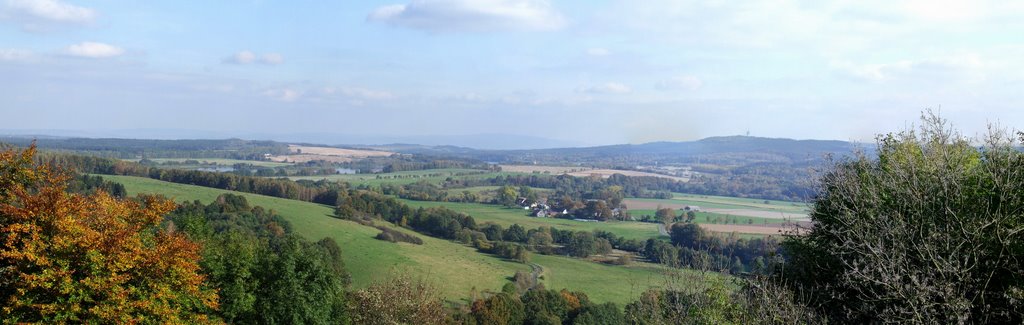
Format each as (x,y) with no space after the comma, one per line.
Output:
(745,148)
(705,146)
(781,148)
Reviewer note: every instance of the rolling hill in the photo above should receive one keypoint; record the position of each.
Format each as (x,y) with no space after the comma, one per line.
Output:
(455,269)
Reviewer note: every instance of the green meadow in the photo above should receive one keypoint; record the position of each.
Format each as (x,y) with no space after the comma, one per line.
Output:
(712,217)
(508,216)
(455,269)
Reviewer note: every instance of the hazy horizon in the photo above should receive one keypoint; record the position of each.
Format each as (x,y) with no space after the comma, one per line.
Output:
(573,72)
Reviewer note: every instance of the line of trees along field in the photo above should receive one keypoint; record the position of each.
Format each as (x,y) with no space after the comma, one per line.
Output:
(750,185)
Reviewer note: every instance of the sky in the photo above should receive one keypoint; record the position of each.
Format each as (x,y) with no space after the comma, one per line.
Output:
(581,72)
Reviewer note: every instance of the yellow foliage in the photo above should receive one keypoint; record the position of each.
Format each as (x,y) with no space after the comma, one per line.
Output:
(73,258)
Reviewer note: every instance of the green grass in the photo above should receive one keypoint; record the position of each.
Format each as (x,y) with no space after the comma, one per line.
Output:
(603,282)
(508,216)
(218,161)
(709,217)
(740,203)
(455,269)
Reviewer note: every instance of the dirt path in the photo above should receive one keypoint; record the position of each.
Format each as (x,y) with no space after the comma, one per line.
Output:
(535,272)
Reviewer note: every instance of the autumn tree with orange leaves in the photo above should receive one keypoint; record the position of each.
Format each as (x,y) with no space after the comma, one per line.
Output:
(91,258)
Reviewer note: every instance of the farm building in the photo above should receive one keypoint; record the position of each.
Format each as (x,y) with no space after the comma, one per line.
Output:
(693,208)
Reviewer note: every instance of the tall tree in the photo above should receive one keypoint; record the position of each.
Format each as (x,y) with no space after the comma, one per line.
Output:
(928,230)
(91,258)
(666,215)
(507,196)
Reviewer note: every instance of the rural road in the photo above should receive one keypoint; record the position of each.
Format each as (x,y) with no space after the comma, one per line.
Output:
(662,229)
(535,271)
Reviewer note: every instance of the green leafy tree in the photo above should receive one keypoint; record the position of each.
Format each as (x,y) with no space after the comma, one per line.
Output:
(500,309)
(928,229)
(603,314)
(515,233)
(507,196)
(666,215)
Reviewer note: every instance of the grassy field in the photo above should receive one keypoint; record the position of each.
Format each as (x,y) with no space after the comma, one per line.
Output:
(435,176)
(455,269)
(711,217)
(729,214)
(726,206)
(603,282)
(740,203)
(218,161)
(508,216)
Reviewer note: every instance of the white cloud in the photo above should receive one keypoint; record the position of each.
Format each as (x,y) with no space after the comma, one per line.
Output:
(607,88)
(597,51)
(359,93)
(471,15)
(242,57)
(248,57)
(946,10)
(680,83)
(824,26)
(50,10)
(272,58)
(94,50)
(283,94)
(14,54)
(967,65)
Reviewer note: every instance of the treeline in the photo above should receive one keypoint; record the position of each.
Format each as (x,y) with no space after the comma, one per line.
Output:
(263,272)
(541,306)
(761,181)
(579,188)
(398,163)
(706,300)
(310,191)
(601,204)
(688,298)
(448,224)
(427,191)
(696,248)
(139,148)
(87,184)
